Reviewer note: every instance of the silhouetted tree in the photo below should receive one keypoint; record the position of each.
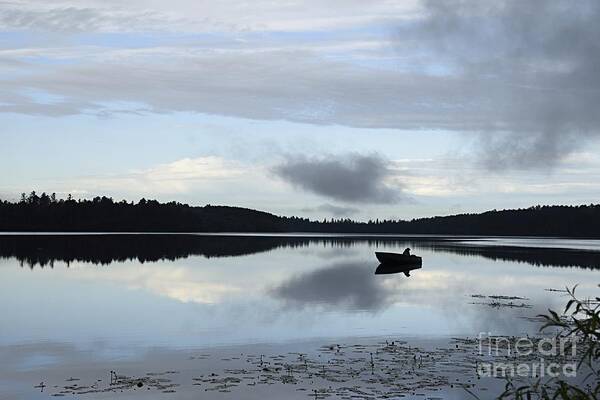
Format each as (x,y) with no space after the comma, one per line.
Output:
(46,213)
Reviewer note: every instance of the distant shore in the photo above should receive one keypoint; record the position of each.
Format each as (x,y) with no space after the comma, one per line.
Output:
(46,213)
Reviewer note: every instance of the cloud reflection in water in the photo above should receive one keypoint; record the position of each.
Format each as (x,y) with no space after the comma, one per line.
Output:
(340,285)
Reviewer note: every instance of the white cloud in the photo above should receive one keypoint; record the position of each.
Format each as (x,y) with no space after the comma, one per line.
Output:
(291,84)
(194,16)
(201,168)
(181,176)
(455,178)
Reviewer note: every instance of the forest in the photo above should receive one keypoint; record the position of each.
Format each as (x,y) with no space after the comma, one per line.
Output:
(46,213)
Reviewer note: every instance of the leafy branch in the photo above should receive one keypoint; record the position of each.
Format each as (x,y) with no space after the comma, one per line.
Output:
(580,322)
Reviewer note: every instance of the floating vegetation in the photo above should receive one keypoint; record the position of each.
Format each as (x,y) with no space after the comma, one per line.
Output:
(117,384)
(479,296)
(499,304)
(372,370)
(349,371)
(500,301)
(356,371)
(498,297)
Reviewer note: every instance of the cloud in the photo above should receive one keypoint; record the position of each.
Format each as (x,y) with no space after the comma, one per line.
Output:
(70,19)
(337,211)
(351,285)
(520,78)
(288,83)
(539,61)
(352,178)
(180,176)
(187,15)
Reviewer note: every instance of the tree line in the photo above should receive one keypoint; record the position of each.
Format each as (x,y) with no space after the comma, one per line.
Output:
(47,213)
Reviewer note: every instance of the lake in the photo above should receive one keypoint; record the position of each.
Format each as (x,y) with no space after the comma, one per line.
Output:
(81,304)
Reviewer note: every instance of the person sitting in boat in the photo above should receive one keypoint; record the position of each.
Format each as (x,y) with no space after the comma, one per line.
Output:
(406,252)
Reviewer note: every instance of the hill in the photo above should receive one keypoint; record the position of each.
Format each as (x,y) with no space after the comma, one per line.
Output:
(46,213)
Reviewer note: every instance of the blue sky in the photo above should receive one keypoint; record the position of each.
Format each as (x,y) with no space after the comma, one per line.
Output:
(446,110)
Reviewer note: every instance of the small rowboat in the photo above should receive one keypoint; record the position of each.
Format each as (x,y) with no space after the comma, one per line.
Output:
(397,258)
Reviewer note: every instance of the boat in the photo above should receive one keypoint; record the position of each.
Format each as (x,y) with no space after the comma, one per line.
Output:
(395,269)
(398,258)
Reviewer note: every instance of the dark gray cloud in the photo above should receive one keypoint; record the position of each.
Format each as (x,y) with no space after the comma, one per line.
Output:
(332,209)
(534,67)
(345,285)
(352,178)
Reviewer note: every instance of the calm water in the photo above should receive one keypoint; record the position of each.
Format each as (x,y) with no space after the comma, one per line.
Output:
(195,291)
(111,294)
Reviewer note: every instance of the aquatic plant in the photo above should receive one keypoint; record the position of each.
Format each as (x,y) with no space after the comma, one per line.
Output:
(580,323)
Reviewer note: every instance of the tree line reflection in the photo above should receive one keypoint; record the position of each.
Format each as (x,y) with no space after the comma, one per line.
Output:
(104,249)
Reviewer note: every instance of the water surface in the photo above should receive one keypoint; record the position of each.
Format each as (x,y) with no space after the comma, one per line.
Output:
(112,295)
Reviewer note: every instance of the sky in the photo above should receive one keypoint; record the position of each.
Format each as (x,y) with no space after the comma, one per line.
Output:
(385,109)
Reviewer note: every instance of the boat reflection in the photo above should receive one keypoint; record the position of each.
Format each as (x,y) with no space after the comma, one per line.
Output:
(390,268)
